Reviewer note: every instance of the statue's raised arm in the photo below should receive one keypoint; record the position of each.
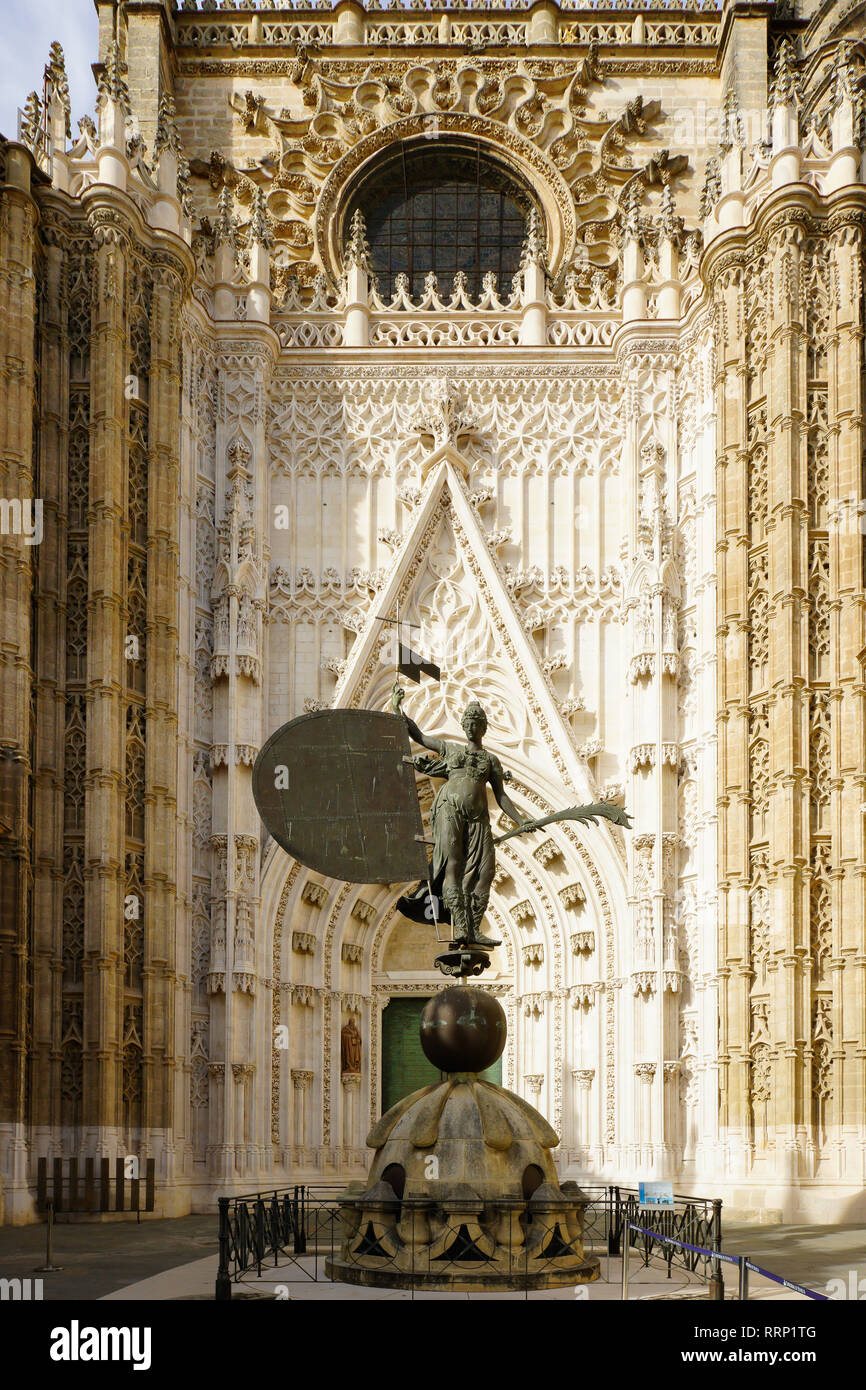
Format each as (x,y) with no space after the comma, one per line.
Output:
(435,745)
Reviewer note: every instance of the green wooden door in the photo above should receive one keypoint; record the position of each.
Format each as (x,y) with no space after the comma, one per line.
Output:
(404,1066)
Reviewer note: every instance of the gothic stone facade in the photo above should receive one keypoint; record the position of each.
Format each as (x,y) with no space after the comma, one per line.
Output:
(622,494)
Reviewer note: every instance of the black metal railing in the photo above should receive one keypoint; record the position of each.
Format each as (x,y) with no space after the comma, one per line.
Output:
(281,1226)
(691,1227)
(299,1230)
(688,1237)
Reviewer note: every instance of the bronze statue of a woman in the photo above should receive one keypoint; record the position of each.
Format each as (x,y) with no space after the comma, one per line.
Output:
(463,861)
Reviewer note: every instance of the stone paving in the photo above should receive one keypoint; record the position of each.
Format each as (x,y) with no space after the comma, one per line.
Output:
(178,1260)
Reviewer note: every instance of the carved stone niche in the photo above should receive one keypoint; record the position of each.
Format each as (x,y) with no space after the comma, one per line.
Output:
(364,911)
(572,895)
(583,995)
(547,852)
(524,914)
(315,894)
(304,943)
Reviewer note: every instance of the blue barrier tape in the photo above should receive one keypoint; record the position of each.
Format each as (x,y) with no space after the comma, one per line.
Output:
(732,1260)
(696,1249)
(788,1284)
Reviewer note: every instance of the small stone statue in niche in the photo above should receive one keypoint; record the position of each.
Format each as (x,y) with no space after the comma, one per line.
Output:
(350,1048)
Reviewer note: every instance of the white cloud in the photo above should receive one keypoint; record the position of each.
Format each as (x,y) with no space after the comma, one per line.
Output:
(28,31)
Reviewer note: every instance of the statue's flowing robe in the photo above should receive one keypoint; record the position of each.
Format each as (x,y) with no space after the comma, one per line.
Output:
(449,815)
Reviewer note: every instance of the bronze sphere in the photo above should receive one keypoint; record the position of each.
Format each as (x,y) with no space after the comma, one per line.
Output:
(463,1029)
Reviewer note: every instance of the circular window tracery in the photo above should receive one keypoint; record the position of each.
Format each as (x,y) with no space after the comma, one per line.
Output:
(445,208)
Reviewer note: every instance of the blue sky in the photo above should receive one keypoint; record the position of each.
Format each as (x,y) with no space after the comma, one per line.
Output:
(28,30)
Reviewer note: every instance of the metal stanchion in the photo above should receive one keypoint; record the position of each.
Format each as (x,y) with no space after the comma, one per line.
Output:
(300,1247)
(743,1292)
(717,1284)
(626,1250)
(223,1280)
(614,1220)
(260,1234)
(49,1267)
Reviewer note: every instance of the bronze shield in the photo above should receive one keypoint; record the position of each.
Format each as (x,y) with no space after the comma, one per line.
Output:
(334,791)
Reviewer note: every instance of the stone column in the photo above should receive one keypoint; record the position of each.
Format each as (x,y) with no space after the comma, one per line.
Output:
(634,289)
(844,134)
(740,454)
(534,1085)
(652,599)
(301,1081)
(225,251)
(237,667)
(260,241)
(844,955)
(50,671)
(18,219)
(356,268)
(674,1120)
(584,1077)
(243,1074)
(351,1086)
(216,1112)
(671,227)
(172,270)
(784,105)
(112,106)
(543,23)
(730,209)
(788,710)
(645,1074)
(104,843)
(350,23)
(533,299)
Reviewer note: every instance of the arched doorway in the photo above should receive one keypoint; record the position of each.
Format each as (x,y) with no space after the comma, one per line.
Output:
(404,1068)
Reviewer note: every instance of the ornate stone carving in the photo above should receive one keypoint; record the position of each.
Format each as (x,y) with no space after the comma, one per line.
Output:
(316,894)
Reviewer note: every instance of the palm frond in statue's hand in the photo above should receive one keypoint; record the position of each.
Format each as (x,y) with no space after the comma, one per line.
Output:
(606,809)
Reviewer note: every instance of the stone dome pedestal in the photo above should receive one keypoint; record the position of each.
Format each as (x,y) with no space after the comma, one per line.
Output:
(462,1193)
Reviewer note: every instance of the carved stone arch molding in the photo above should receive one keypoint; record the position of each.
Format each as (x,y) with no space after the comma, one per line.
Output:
(833,21)
(602,873)
(515,153)
(283,885)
